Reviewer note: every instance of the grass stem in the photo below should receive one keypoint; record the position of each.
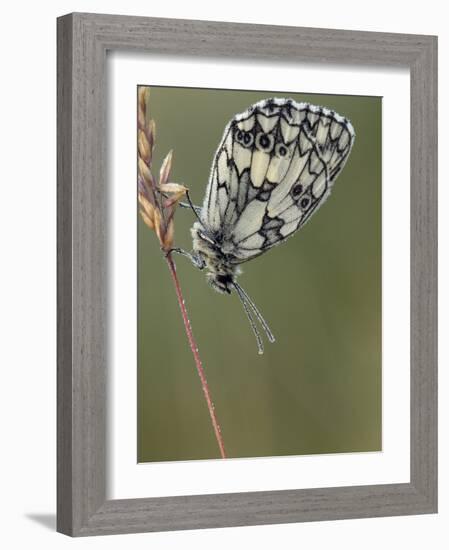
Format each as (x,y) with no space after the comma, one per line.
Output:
(196,356)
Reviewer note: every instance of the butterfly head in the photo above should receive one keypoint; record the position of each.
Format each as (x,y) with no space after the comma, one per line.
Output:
(221,282)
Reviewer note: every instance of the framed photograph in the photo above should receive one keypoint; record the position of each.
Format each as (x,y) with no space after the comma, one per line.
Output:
(209,373)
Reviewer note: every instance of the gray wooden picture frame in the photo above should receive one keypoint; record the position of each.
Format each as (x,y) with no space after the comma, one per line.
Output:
(83,41)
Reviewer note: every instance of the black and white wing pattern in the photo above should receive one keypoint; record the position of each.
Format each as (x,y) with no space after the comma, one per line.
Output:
(274,167)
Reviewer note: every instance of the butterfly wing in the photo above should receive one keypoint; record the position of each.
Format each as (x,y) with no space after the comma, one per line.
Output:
(274,168)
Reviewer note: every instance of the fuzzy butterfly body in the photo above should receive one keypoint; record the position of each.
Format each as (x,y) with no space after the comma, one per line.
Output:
(274,167)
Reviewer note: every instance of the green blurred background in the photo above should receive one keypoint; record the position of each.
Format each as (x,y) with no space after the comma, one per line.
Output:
(318,388)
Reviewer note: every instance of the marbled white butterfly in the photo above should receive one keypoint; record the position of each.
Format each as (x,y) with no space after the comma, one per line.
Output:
(275,166)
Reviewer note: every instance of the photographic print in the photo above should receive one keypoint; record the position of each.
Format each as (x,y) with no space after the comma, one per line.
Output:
(259,274)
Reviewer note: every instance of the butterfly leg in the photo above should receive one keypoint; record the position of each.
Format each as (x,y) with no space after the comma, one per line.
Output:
(196,259)
(194,207)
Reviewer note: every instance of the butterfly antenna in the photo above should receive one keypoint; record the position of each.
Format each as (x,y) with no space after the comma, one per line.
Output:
(247,309)
(194,208)
(246,299)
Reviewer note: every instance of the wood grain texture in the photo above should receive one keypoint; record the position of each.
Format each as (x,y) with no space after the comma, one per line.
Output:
(83,40)
(64,277)
(424,251)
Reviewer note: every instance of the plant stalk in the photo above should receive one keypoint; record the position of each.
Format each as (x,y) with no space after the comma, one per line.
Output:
(196,356)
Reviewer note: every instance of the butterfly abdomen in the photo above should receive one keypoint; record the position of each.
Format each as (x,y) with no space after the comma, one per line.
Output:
(221,271)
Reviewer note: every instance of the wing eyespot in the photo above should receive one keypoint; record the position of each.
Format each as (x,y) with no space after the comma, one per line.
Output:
(297,190)
(244,138)
(305,203)
(264,142)
(248,139)
(281,150)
